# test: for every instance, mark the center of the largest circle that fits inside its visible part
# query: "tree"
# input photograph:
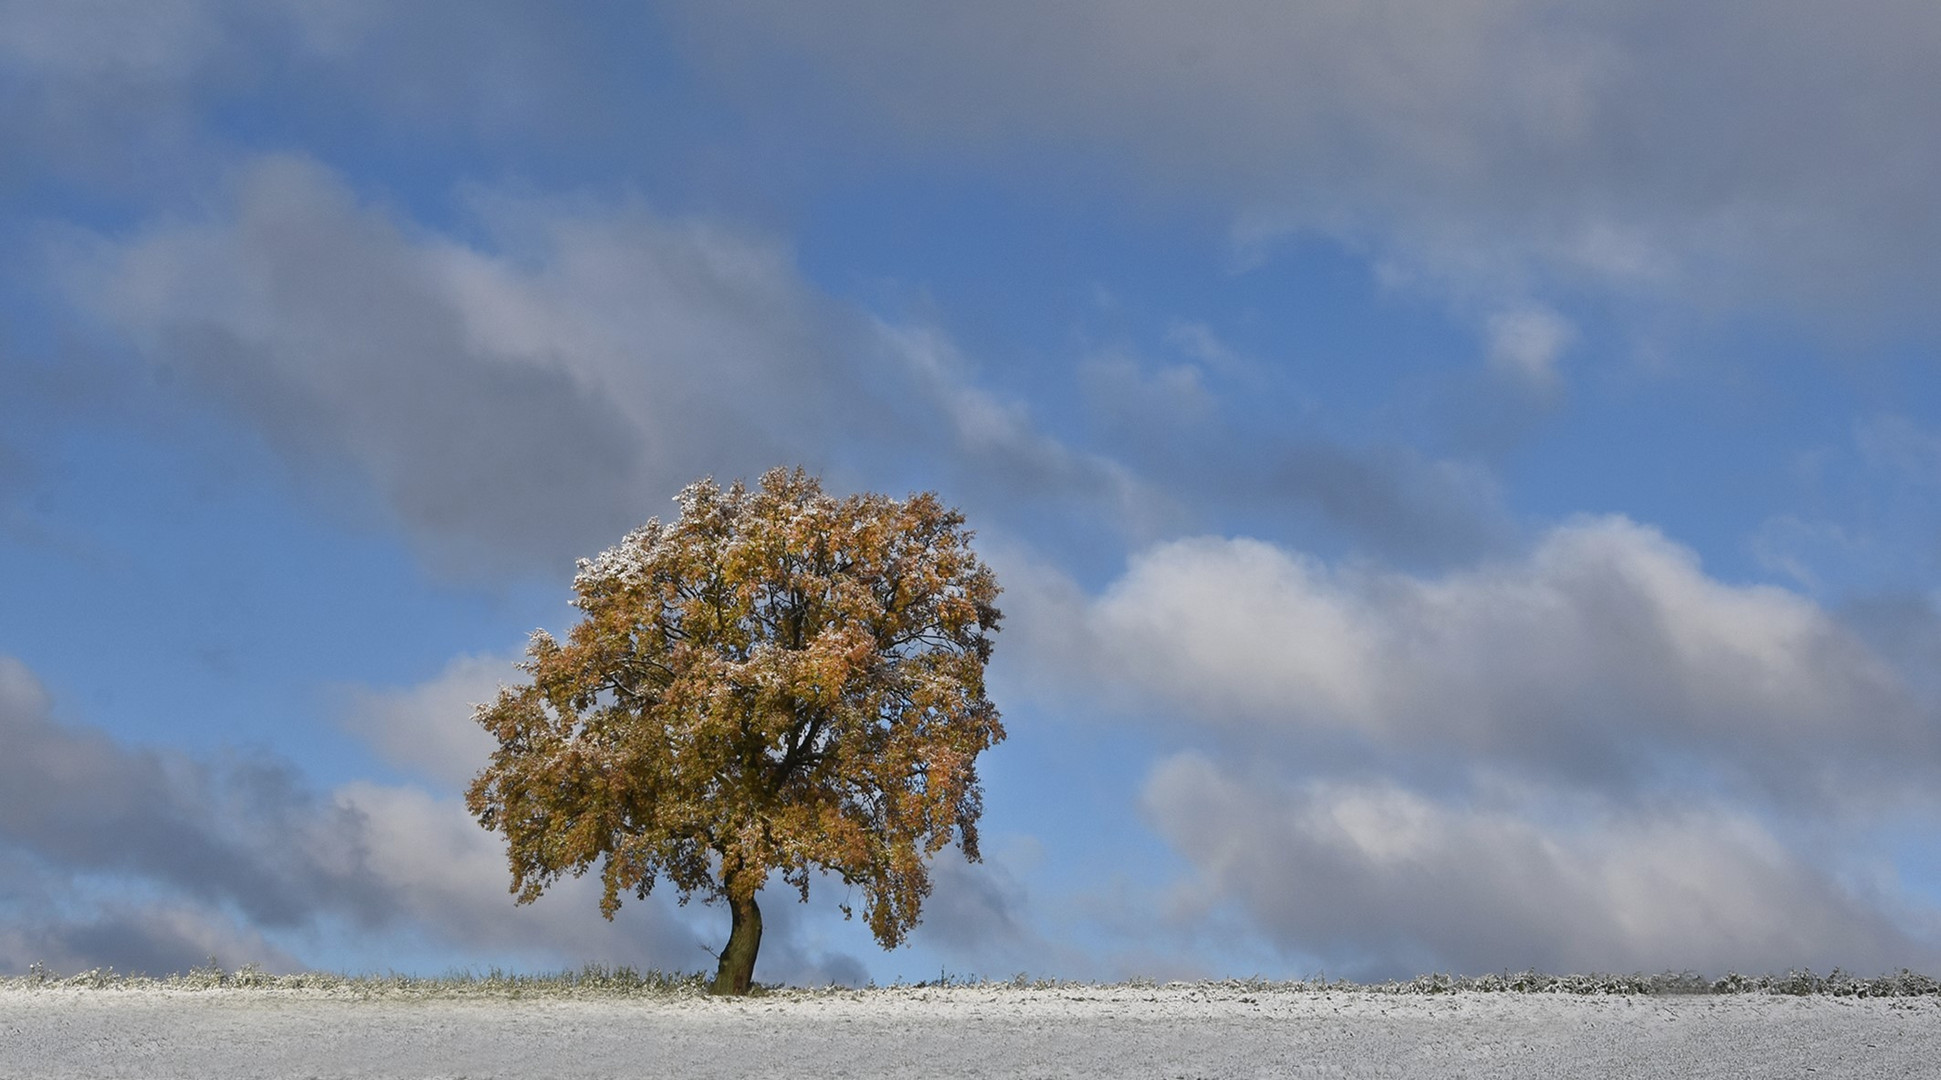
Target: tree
(776, 681)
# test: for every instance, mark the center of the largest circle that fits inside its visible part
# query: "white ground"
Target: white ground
(1170, 1031)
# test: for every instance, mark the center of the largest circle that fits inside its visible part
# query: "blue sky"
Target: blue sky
(1465, 476)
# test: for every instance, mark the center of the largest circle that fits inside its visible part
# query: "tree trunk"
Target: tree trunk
(737, 971)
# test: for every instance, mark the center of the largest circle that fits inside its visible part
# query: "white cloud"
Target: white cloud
(428, 728)
(1606, 657)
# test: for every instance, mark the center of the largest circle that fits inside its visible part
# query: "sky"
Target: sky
(1465, 476)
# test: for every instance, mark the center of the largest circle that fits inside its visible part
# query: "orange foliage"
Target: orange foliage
(774, 681)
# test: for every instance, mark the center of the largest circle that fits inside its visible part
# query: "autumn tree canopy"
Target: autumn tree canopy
(776, 681)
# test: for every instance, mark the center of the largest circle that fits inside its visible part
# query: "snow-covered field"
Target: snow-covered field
(963, 1031)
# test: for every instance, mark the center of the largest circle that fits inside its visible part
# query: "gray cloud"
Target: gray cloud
(230, 859)
(92, 89)
(976, 909)
(522, 405)
(1184, 424)
(524, 389)
(983, 919)
(1678, 149)
(1002, 457)
(1395, 503)
(130, 938)
(1675, 149)
(113, 95)
(112, 856)
(337, 335)
(244, 833)
(1376, 880)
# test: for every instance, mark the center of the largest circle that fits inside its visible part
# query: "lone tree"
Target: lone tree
(774, 681)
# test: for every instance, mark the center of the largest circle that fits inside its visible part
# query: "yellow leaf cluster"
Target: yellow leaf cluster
(776, 680)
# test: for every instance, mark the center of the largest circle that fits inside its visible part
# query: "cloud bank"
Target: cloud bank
(1372, 878)
(1595, 755)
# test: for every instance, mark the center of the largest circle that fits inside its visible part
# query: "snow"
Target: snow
(964, 1031)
